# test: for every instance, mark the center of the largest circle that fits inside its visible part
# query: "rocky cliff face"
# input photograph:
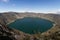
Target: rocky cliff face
(7, 33)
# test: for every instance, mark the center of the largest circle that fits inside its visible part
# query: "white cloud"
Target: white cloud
(5, 0)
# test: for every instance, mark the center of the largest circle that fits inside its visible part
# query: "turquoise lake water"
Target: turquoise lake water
(31, 25)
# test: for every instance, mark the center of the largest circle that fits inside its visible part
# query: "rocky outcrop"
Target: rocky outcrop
(5, 33)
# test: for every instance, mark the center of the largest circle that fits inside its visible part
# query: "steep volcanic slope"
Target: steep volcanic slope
(10, 16)
(5, 18)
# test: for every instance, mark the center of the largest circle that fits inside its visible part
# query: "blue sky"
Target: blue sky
(30, 5)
